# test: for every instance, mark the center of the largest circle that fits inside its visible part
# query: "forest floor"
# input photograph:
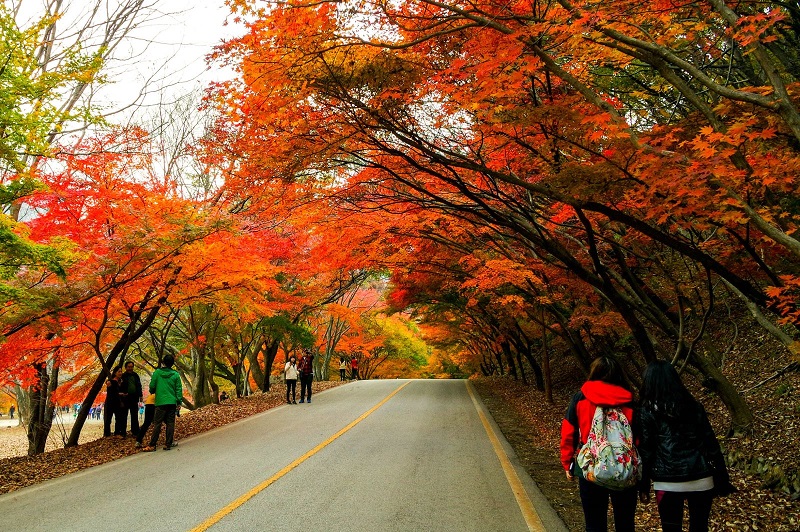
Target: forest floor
(20, 471)
(532, 427)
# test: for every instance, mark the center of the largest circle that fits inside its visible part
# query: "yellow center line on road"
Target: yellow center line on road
(525, 505)
(211, 521)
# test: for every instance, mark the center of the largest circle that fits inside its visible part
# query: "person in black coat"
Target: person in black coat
(679, 450)
(112, 407)
(131, 395)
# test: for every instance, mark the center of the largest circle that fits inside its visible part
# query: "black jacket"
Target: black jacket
(680, 448)
(136, 384)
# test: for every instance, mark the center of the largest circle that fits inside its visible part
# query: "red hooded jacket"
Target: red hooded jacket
(578, 420)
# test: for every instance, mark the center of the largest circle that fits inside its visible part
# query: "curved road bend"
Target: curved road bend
(384, 455)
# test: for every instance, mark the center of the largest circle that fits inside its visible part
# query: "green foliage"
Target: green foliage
(402, 340)
(282, 328)
(36, 79)
(30, 93)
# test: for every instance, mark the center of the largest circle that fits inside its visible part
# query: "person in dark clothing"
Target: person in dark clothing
(680, 452)
(112, 407)
(306, 367)
(167, 387)
(11, 411)
(604, 387)
(131, 395)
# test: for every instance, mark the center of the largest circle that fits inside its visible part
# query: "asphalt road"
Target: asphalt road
(386, 455)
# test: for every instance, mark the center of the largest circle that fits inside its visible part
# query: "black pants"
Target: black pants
(291, 384)
(594, 499)
(149, 413)
(305, 385)
(355, 373)
(342, 374)
(110, 412)
(164, 413)
(670, 509)
(130, 407)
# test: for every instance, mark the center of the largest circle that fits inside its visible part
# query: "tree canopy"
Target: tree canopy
(432, 188)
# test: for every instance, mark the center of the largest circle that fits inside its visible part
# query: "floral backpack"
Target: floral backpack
(608, 458)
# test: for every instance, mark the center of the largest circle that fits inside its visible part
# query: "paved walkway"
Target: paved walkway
(382, 455)
(5, 421)
(65, 419)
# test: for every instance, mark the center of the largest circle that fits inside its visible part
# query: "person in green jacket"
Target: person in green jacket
(166, 385)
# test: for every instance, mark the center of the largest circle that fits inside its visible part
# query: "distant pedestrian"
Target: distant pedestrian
(342, 369)
(290, 374)
(11, 411)
(223, 396)
(306, 367)
(354, 368)
(679, 450)
(149, 414)
(99, 411)
(112, 408)
(166, 385)
(131, 394)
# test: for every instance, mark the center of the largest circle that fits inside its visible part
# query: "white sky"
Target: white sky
(166, 54)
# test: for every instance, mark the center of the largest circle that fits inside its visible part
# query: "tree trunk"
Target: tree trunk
(86, 405)
(23, 405)
(536, 368)
(255, 370)
(548, 379)
(741, 415)
(270, 352)
(201, 395)
(41, 414)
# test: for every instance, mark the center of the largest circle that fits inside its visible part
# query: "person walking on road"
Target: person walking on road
(354, 368)
(605, 387)
(11, 411)
(306, 367)
(131, 395)
(166, 385)
(679, 450)
(113, 406)
(290, 374)
(342, 369)
(149, 414)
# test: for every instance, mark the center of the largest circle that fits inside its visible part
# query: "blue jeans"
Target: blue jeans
(594, 499)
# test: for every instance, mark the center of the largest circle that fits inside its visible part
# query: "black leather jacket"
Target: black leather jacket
(680, 448)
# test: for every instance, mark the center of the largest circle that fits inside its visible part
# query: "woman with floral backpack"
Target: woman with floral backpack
(603, 401)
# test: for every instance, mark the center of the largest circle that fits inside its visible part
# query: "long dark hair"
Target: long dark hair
(663, 390)
(607, 369)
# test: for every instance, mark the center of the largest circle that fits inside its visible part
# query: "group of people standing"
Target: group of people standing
(344, 365)
(124, 393)
(302, 370)
(674, 440)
